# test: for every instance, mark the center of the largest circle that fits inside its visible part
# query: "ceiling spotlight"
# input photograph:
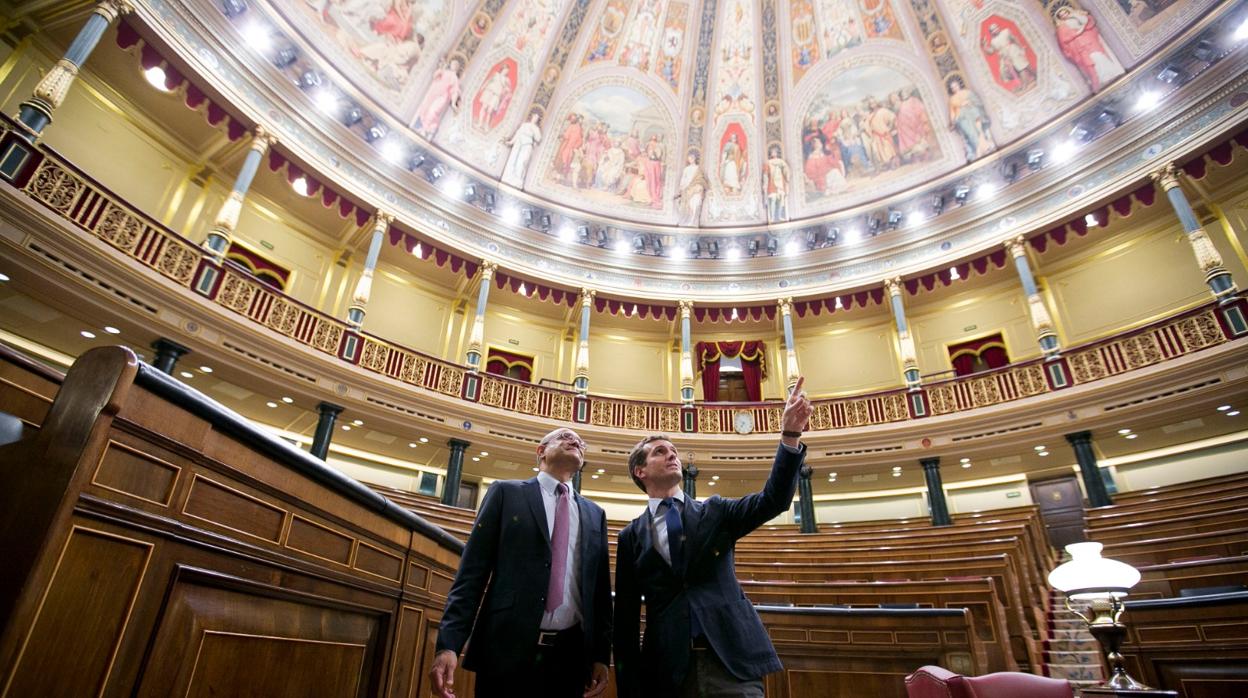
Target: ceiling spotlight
(966, 460)
(527, 216)
(621, 246)
(346, 427)
(1147, 101)
(566, 233)
(392, 151)
(773, 245)
(1063, 152)
(1241, 32)
(186, 374)
(288, 400)
(897, 473)
(639, 244)
(916, 218)
(423, 439)
(487, 201)
(1205, 52)
(595, 476)
(326, 101)
(1039, 448)
(1124, 431)
(1009, 171)
(792, 247)
(873, 225)
(452, 184)
(1109, 118)
(1080, 133)
(1132, 436)
(476, 459)
(602, 470)
(352, 115)
(896, 468)
(938, 204)
(733, 253)
(543, 222)
(603, 238)
(657, 243)
(257, 36)
(113, 330)
(1170, 74)
(582, 232)
(435, 173)
(1223, 408)
(155, 76)
(851, 237)
(375, 132)
(679, 253)
(4, 277)
(966, 465)
(202, 369)
(751, 247)
(894, 218)
(1042, 454)
(416, 161)
(695, 249)
(309, 79)
(411, 444)
(1233, 413)
(833, 236)
(987, 190)
(358, 422)
(960, 193)
(470, 191)
(1035, 158)
(285, 56)
(88, 334)
(270, 404)
(510, 214)
(712, 249)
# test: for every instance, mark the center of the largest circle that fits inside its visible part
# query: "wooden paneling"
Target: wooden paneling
(321, 541)
(128, 470)
(227, 507)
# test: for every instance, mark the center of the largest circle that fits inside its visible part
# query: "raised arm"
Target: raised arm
(753, 510)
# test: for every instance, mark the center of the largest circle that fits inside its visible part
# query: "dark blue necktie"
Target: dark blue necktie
(675, 534)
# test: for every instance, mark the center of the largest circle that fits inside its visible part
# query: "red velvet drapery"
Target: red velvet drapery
(990, 350)
(753, 366)
(505, 363)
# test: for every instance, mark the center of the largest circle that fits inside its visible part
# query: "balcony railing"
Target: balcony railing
(70, 193)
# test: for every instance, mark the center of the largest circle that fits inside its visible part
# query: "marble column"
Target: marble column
(791, 369)
(581, 376)
(806, 500)
(909, 358)
(364, 287)
(576, 481)
(218, 240)
(1093, 484)
(326, 414)
(1041, 320)
(686, 354)
(935, 492)
(167, 354)
(36, 112)
(689, 481)
(454, 471)
(1207, 257)
(476, 339)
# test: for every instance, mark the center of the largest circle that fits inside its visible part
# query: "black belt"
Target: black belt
(556, 638)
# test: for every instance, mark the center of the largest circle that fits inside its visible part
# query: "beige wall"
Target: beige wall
(629, 366)
(986, 497)
(401, 311)
(849, 356)
(974, 314)
(1213, 461)
(869, 507)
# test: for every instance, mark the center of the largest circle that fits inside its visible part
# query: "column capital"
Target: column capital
(382, 220)
(786, 306)
(893, 286)
(587, 296)
(806, 471)
(262, 140)
(458, 444)
(1079, 438)
(112, 9)
(686, 307)
(930, 463)
(1017, 246)
(328, 408)
(487, 269)
(1167, 177)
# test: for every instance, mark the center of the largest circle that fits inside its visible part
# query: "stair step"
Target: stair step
(1081, 644)
(1077, 657)
(1075, 672)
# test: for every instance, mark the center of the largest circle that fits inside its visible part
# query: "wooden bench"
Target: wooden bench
(980, 594)
(1172, 579)
(1159, 551)
(158, 544)
(1212, 521)
(865, 651)
(27, 387)
(1194, 488)
(1197, 646)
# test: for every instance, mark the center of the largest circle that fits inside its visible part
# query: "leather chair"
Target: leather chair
(935, 682)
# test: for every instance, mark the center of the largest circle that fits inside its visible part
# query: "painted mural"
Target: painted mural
(646, 35)
(672, 48)
(390, 39)
(611, 147)
(496, 90)
(864, 128)
(821, 29)
(1008, 54)
(1079, 37)
(1140, 26)
(733, 153)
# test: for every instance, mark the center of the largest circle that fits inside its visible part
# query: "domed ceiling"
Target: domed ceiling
(725, 113)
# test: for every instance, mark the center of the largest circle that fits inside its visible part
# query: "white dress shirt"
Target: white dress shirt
(658, 524)
(568, 613)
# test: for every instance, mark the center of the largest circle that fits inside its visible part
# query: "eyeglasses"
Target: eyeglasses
(569, 436)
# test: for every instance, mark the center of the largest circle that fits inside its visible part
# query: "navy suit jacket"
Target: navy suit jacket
(707, 588)
(499, 595)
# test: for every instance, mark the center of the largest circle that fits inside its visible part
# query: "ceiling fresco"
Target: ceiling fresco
(728, 112)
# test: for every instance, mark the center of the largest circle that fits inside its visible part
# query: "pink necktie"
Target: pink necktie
(559, 549)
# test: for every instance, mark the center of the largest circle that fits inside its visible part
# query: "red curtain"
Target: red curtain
(505, 363)
(987, 351)
(753, 366)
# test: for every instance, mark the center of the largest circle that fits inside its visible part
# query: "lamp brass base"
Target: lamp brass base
(1105, 691)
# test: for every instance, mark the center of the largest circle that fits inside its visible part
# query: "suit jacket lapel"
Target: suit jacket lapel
(692, 517)
(533, 493)
(586, 537)
(645, 538)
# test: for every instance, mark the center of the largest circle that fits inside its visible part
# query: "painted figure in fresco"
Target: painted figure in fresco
(610, 167)
(570, 141)
(776, 185)
(1081, 42)
(882, 124)
(443, 94)
(821, 153)
(522, 142)
(641, 36)
(388, 36)
(692, 191)
(732, 166)
(655, 154)
(494, 97)
(914, 129)
(968, 118)
(1014, 68)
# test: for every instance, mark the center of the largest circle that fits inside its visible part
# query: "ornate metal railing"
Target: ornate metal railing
(70, 193)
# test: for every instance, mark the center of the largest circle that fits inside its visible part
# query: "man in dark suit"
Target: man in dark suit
(703, 637)
(532, 598)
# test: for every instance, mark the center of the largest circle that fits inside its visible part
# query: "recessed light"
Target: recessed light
(4, 277)
(187, 374)
(1124, 431)
(1147, 100)
(714, 477)
(485, 453)
(1233, 413)
(831, 474)
(156, 78)
(476, 459)
(257, 36)
(111, 330)
(205, 369)
(88, 334)
(1241, 32)
(1063, 151)
(1224, 408)
(678, 253)
(346, 427)
(1132, 436)
(287, 400)
(1039, 448)
(966, 465)
(411, 444)
(1042, 453)
(733, 253)
(897, 474)
(602, 470)
(966, 460)
(712, 483)
(594, 476)
(424, 440)
(896, 468)
(792, 247)
(271, 404)
(535, 470)
(621, 246)
(358, 422)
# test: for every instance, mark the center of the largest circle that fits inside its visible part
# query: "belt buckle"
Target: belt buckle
(546, 638)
